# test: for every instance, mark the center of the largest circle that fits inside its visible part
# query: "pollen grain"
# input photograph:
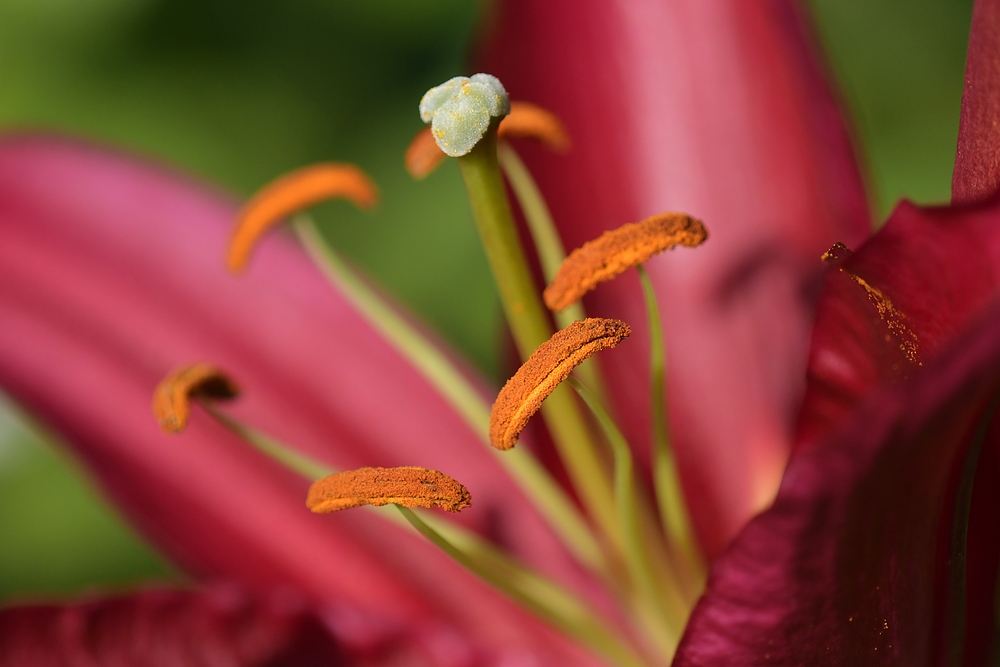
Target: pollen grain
(548, 366)
(618, 250)
(407, 486)
(292, 193)
(172, 396)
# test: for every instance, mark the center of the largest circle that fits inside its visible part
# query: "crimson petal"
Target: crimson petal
(220, 627)
(977, 161)
(718, 109)
(841, 570)
(111, 274)
(938, 267)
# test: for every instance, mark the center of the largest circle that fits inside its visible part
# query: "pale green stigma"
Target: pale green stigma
(460, 111)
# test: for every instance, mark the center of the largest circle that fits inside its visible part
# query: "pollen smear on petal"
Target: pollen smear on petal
(837, 254)
(292, 193)
(618, 250)
(172, 396)
(549, 365)
(530, 121)
(407, 486)
(894, 319)
(525, 121)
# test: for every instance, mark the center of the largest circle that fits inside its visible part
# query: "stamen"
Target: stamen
(172, 397)
(291, 193)
(530, 121)
(616, 251)
(525, 121)
(423, 155)
(549, 365)
(407, 486)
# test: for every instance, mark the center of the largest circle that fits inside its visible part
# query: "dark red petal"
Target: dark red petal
(168, 628)
(111, 274)
(977, 162)
(841, 570)
(938, 266)
(718, 109)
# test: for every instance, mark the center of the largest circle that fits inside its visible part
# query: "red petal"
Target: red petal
(938, 266)
(164, 628)
(717, 109)
(977, 162)
(841, 570)
(111, 274)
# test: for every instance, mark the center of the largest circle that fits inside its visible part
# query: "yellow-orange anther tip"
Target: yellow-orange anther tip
(548, 366)
(291, 193)
(407, 486)
(423, 155)
(172, 396)
(618, 250)
(530, 121)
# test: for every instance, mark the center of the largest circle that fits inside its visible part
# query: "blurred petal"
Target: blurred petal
(718, 109)
(165, 628)
(977, 162)
(111, 273)
(841, 570)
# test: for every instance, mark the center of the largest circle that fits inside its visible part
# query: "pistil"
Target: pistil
(526, 316)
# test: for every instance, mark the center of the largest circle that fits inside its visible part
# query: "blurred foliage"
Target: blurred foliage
(900, 66)
(240, 90)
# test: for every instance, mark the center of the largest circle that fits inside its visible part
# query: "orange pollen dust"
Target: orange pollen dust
(172, 396)
(525, 121)
(837, 254)
(618, 250)
(292, 193)
(548, 366)
(407, 486)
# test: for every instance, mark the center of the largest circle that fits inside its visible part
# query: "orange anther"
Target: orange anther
(406, 486)
(530, 121)
(423, 155)
(617, 251)
(292, 193)
(549, 365)
(172, 397)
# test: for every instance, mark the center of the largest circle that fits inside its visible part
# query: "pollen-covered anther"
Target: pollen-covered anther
(548, 366)
(618, 250)
(172, 396)
(525, 121)
(291, 193)
(407, 486)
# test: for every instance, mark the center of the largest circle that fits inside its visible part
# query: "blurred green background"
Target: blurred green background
(240, 90)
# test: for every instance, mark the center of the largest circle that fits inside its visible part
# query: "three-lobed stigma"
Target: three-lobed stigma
(461, 109)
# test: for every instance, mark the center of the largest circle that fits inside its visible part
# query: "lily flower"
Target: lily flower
(110, 276)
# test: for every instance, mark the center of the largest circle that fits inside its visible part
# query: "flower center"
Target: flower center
(636, 541)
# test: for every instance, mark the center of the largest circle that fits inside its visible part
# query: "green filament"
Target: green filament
(442, 373)
(529, 324)
(669, 492)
